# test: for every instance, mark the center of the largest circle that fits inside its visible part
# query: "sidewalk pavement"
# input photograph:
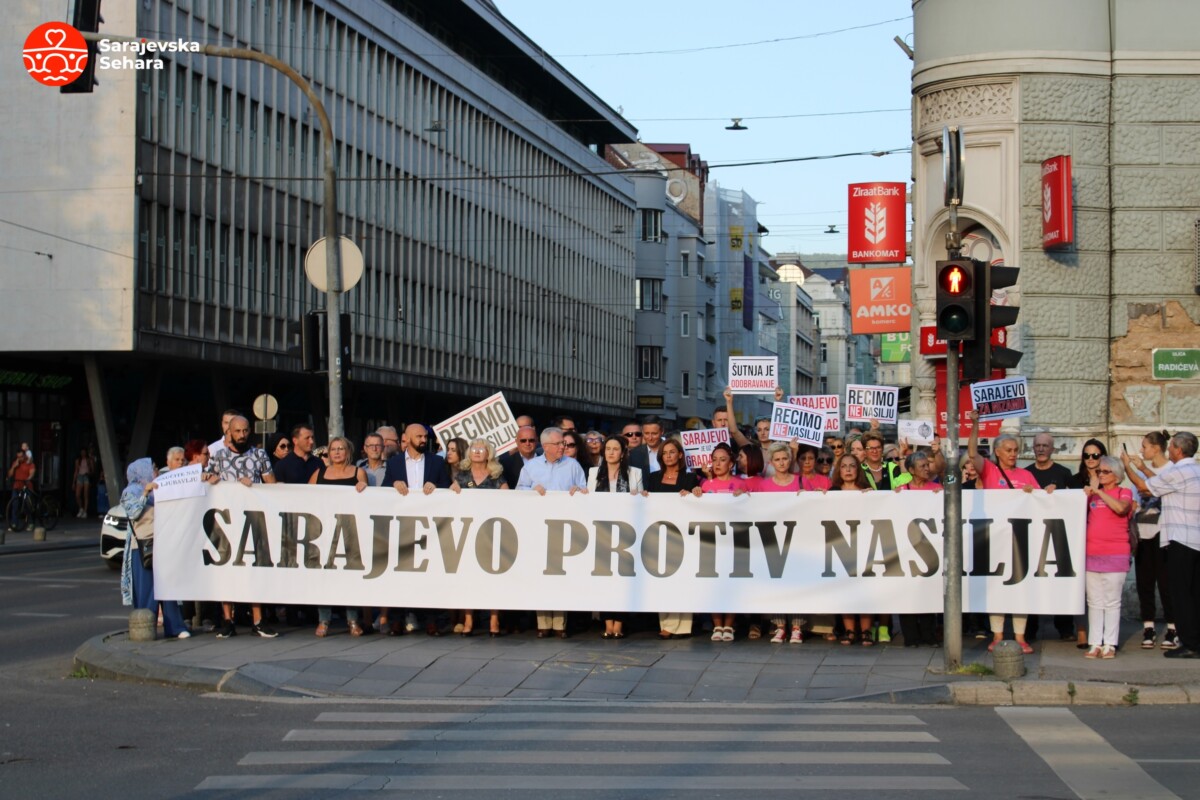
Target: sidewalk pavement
(70, 532)
(640, 667)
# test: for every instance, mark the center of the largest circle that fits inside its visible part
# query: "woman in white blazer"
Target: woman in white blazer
(614, 474)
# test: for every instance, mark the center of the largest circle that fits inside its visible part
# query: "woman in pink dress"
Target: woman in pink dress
(723, 481)
(1108, 553)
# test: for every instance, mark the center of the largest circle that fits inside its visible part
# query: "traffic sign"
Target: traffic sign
(1176, 364)
(315, 264)
(265, 406)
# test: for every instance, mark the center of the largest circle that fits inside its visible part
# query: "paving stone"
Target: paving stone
(594, 685)
(426, 691)
(318, 681)
(719, 694)
(664, 675)
(769, 695)
(479, 690)
(385, 672)
(782, 680)
(743, 678)
(330, 666)
(1094, 693)
(1040, 693)
(830, 680)
(982, 693)
(369, 687)
(660, 691)
(827, 693)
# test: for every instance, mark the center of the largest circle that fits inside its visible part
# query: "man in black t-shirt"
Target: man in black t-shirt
(298, 465)
(1048, 473)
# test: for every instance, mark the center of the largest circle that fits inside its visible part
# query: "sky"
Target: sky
(807, 78)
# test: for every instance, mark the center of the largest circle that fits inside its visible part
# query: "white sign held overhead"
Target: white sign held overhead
(489, 419)
(790, 422)
(865, 403)
(1007, 397)
(753, 374)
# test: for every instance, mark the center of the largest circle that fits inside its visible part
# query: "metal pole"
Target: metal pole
(333, 263)
(952, 540)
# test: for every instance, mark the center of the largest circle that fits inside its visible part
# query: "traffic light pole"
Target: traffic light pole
(953, 173)
(333, 250)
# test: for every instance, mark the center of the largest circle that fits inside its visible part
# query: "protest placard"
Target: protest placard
(916, 431)
(489, 419)
(865, 403)
(698, 445)
(828, 404)
(999, 399)
(790, 422)
(180, 483)
(753, 374)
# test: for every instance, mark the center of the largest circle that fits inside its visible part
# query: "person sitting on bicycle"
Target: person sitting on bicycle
(21, 473)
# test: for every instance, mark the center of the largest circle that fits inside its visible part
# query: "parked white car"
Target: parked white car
(112, 536)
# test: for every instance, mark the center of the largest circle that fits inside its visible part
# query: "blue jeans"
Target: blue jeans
(143, 597)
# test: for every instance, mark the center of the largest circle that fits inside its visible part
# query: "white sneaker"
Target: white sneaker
(410, 622)
(797, 636)
(778, 636)
(184, 635)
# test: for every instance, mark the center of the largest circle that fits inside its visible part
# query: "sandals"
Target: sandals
(322, 630)
(755, 632)
(355, 628)
(849, 637)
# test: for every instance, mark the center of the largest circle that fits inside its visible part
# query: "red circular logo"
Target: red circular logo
(55, 54)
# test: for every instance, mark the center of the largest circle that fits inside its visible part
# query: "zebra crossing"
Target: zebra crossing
(597, 751)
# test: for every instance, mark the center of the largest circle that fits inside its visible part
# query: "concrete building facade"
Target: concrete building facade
(1116, 86)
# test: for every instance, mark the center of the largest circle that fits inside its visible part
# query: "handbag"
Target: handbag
(143, 531)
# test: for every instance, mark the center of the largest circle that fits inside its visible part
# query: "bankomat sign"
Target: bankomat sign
(876, 229)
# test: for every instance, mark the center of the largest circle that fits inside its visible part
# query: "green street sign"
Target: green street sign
(895, 348)
(1176, 364)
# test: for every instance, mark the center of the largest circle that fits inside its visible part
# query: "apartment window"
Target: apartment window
(650, 224)
(824, 352)
(649, 294)
(700, 266)
(685, 384)
(699, 326)
(649, 363)
(823, 386)
(684, 264)
(685, 324)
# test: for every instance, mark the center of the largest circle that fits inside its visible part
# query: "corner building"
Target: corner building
(1116, 86)
(156, 229)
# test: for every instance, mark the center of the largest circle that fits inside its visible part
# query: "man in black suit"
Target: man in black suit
(514, 460)
(414, 467)
(644, 456)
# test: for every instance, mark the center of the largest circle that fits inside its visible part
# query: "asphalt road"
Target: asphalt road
(64, 737)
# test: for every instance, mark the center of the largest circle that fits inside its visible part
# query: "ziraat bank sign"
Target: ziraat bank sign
(1058, 224)
(876, 229)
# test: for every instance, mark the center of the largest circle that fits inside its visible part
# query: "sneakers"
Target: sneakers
(226, 631)
(1148, 637)
(261, 629)
(81, 514)
(1170, 640)
(778, 636)
(882, 636)
(184, 635)
(797, 637)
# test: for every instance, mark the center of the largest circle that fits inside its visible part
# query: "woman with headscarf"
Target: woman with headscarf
(137, 577)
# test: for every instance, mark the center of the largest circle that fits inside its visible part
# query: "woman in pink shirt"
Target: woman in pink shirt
(1109, 507)
(810, 479)
(723, 481)
(782, 480)
(1001, 474)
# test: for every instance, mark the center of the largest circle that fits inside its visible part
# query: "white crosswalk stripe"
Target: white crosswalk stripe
(488, 748)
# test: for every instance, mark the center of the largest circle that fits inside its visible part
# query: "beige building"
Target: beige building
(1116, 86)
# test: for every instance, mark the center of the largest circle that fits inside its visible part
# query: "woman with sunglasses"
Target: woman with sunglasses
(1109, 507)
(278, 447)
(825, 458)
(574, 446)
(811, 479)
(595, 446)
(1089, 460)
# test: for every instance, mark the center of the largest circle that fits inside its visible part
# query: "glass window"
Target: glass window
(684, 264)
(650, 224)
(685, 384)
(649, 294)
(685, 320)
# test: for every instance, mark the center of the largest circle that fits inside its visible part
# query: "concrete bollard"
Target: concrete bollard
(39, 534)
(142, 625)
(1008, 661)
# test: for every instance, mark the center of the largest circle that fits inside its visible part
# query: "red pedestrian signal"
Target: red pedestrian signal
(956, 300)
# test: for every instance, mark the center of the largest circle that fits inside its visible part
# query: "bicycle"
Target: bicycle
(27, 509)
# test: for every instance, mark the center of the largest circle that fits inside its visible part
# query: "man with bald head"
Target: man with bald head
(414, 468)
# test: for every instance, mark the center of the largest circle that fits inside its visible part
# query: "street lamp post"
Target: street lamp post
(333, 263)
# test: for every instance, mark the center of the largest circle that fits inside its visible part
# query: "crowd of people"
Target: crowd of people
(1153, 522)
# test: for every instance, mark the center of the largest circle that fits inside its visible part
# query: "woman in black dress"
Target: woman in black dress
(673, 476)
(479, 470)
(340, 471)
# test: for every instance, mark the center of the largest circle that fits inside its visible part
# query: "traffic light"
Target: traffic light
(980, 356)
(87, 19)
(310, 341)
(956, 300)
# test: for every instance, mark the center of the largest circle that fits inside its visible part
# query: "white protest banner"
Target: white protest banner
(489, 419)
(698, 445)
(916, 431)
(841, 552)
(180, 483)
(753, 374)
(865, 403)
(1008, 397)
(827, 404)
(790, 422)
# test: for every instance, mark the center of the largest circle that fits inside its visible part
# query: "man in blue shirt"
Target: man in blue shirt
(550, 471)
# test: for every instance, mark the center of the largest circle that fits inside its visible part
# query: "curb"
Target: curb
(17, 549)
(102, 661)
